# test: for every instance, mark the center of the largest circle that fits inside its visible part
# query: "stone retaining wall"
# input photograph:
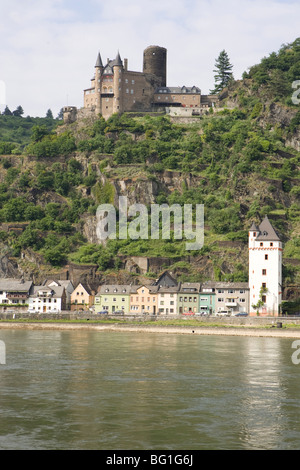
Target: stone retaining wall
(67, 315)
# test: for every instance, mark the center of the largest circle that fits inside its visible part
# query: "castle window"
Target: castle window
(131, 91)
(261, 244)
(127, 90)
(266, 257)
(132, 81)
(264, 272)
(271, 244)
(264, 299)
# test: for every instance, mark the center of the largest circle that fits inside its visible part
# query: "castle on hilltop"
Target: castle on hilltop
(116, 89)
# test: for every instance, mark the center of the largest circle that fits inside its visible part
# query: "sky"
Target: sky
(48, 48)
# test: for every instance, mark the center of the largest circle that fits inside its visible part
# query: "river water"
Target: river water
(127, 390)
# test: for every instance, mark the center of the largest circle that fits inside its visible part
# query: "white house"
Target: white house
(265, 269)
(167, 300)
(45, 299)
(14, 291)
(67, 284)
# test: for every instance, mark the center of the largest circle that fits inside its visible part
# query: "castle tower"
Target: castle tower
(98, 83)
(118, 71)
(265, 269)
(155, 63)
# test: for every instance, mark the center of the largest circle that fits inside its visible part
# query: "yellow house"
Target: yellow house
(82, 297)
(144, 299)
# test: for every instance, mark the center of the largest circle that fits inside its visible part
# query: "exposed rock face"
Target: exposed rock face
(8, 266)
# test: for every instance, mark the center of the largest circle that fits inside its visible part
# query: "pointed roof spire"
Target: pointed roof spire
(254, 228)
(118, 60)
(267, 231)
(99, 61)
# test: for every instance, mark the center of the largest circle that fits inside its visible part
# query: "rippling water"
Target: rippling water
(124, 390)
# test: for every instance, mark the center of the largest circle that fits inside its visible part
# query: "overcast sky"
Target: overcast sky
(49, 47)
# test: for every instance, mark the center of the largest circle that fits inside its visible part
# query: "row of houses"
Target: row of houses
(165, 297)
(51, 297)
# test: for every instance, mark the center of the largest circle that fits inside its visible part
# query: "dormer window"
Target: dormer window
(265, 233)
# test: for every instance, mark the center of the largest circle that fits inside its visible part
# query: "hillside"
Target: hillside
(242, 162)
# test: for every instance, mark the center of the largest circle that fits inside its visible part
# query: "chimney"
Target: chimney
(126, 64)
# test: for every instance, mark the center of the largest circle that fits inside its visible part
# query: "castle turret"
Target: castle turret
(118, 71)
(155, 63)
(98, 83)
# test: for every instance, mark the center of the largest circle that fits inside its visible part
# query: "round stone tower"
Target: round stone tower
(155, 62)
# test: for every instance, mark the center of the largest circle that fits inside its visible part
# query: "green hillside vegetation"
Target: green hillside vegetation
(239, 163)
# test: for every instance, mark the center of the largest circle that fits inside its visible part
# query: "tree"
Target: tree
(18, 112)
(223, 72)
(60, 115)
(7, 111)
(260, 303)
(38, 132)
(49, 114)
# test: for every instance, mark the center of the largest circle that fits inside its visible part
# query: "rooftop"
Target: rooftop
(14, 285)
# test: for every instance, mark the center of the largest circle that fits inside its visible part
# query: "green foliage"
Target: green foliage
(50, 145)
(278, 71)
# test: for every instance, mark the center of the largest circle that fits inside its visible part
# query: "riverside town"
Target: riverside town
(260, 296)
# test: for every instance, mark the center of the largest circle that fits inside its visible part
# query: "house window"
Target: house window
(264, 285)
(271, 244)
(266, 257)
(264, 298)
(264, 272)
(261, 244)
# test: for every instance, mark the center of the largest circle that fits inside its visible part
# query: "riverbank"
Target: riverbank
(228, 330)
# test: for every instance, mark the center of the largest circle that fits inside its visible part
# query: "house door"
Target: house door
(44, 308)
